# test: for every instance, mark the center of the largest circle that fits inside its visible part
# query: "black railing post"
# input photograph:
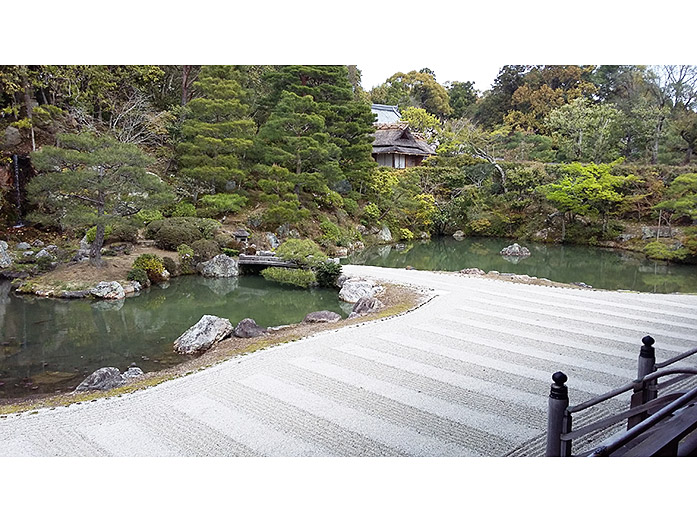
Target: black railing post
(558, 420)
(644, 392)
(647, 365)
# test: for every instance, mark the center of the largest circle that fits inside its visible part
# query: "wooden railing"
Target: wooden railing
(656, 426)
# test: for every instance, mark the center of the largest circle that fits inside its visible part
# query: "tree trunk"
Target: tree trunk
(96, 249)
(654, 148)
(186, 71)
(563, 227)
(27, 103)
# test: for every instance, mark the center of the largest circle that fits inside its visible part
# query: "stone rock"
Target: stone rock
(366, 305)
(248, 328)
(322, 317)
(221, 266)
(37, 243)
(282, 230)
(385, 235)
(341, 252)
(354, 289)
(5, 258)
(341, 279)
(209, 330)
(108, 290)
(473, 270)
(23, 246)
(458, 235)
(273, 240)
(357, 246)
(4, 245)
(72, 295)
(102, 379)
(400, 247)
(43, 253)
(132, 372)
(293, 233)
(12, 137)
(493, 273)
(581, 284)
(266, 253)
(83, 252)
(361, 229)
(651, 232)
(425, 236)
(52, 248)
(28, 254)
(543, 234)
(515, 250)
(626, 237)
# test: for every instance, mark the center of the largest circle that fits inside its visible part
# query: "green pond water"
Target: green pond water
(49, 345)
(600, 268)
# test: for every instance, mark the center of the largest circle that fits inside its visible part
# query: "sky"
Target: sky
(482, 74)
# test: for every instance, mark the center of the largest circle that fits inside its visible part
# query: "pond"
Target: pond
(50, 345)
(601, 268)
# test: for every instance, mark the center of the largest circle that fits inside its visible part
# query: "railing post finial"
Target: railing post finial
(558, 421)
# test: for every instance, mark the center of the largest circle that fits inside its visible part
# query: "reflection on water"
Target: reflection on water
(600, 268)
(48, 345)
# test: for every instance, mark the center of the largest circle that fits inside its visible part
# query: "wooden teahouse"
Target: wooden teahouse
(395, 145)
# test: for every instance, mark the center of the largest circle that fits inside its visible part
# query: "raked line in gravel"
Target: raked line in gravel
(466, 374)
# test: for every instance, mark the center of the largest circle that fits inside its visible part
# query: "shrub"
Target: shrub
(285, 212)
(223, 203)
(331, 232)
(480, 226)
(44, 264)
(660, 251)
(139, 275)
(230, 252)
(144, 216)
(371, 212)
(297, 277)
(351, 206)
(170, 265)
(170, 233)
(327, 273)
(186, 259)
(124, 232)
(91, 233)
(204, 250)
(152, 264)
(406, 235)
(184, 209)
(302, 252)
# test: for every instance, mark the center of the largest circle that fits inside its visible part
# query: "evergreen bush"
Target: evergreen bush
(186, 259)
(152, 264)
(327, 273)
(298, 277)
(204, 250)
(139, 275)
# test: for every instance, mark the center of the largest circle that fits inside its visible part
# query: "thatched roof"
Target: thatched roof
(397, 138)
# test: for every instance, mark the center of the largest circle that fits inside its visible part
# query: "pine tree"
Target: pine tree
(215, 135)
(347, 117)
(91, 180)
(295, 139)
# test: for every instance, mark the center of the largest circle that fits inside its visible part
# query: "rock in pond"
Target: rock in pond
(248, 328)
(102, 379)
(221, 266)
(322, 317)
(458, 235)
(385, 236)
(515, 250)
(209, 330)
(353, 289)
(108, 290)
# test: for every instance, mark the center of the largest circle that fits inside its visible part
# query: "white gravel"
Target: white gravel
(467, 374)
